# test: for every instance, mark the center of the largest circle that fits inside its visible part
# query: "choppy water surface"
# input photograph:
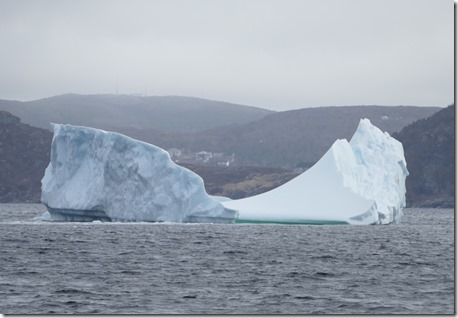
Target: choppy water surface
(114, 268)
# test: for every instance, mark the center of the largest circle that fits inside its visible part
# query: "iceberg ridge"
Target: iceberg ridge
(99, 175)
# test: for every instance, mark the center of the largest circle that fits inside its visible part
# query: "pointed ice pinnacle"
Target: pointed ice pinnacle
(356, 182)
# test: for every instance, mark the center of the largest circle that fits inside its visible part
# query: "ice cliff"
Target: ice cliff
(356, 182)
(98, 175)
(95, 174)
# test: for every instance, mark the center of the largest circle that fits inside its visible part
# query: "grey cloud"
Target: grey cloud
(276, 54)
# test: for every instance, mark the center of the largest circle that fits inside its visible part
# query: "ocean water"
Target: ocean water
(144, 268)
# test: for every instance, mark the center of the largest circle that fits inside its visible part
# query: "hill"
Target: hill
(162, 113)
(24, 156)
(429, 146)
(289, 139)
(256, 137)
(428, 143)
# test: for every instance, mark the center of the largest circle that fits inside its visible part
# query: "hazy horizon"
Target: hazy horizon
(224, 101)
(272, 54)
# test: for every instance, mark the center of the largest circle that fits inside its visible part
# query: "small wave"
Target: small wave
(324, 274)
(72, 291)
(234, 252)
(380, 309)
(305, 297)
(323, 257)
(130, 272)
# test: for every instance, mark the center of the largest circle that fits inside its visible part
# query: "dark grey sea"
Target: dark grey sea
(146, 268)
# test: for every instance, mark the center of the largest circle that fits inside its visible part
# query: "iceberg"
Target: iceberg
(356, 182)
(99, 175)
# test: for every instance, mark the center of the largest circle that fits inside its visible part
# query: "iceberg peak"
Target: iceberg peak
(356, 182)
(381, 170)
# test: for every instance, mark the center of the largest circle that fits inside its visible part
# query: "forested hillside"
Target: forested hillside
(429, 146)
(286, 139)
(24, 155)
(429, 149)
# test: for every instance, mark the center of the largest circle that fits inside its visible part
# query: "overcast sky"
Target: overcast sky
(276, 54)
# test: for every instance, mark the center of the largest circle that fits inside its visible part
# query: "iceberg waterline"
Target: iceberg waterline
(98, 175)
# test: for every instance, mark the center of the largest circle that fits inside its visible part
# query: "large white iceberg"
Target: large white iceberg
(98, 175)
(356, 182)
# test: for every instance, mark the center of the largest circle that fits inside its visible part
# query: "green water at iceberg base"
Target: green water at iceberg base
(310, 222)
